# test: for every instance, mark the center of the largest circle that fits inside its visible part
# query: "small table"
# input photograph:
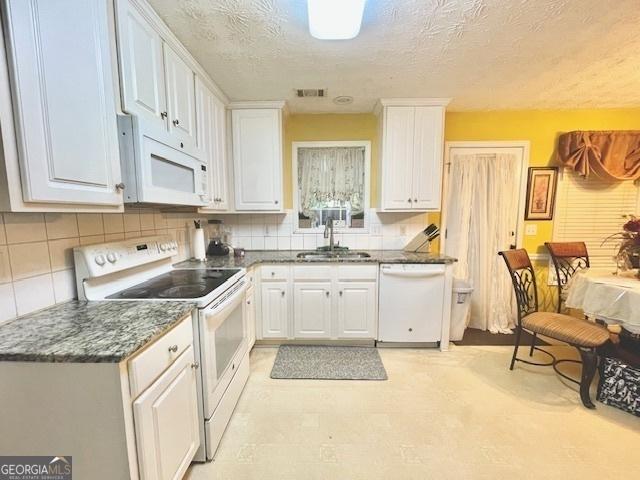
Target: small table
(615, 299)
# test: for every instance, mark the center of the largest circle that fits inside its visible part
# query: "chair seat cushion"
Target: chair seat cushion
(582, 333)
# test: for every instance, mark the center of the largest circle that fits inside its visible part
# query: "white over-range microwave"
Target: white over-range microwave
(155, 172)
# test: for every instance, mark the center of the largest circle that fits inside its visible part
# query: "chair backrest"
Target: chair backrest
(524, 281)
(568, 258)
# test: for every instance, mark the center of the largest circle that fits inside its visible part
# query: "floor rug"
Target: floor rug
(328, 363)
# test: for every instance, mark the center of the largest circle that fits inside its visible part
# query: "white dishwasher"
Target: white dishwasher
(411, 302)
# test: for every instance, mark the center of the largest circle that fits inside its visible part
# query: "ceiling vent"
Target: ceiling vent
(311, 92)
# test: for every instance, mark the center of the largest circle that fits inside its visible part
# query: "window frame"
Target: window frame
(366, 144)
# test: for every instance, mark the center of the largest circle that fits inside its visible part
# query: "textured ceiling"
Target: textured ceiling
(485, 54)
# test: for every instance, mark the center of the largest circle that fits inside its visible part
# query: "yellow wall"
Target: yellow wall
(540, 127)
(325, 127)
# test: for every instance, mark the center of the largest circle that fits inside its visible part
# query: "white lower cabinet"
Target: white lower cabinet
(356, 310)
(166, 421)
(312, 310)
(250, 312)
(275, 309)
(318, 301)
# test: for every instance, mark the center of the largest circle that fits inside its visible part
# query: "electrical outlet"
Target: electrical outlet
(531, 229)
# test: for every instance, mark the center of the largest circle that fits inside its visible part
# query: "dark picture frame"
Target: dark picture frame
(542, 184)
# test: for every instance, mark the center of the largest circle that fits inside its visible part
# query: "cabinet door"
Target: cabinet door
(257, 159)
(211, 141)
(427, 158)
(397, 158)
(166, 422)
(141, 68)
(356, 309)
(250, 312)
(64, 101)
(275, 310)
(180, 98)
(312, 310)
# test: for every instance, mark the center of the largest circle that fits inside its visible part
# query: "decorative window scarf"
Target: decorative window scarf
(611, 155)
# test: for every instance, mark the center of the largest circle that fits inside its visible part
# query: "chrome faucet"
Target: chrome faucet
(328, 233)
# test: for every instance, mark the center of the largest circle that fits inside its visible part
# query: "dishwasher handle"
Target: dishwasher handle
(411, 273)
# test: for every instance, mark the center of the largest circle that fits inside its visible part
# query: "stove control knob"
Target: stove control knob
(174, 245)
(112, 257)
(100, 260)
(163, 247)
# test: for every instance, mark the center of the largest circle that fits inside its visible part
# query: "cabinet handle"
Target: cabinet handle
(195, 365)
(276, 202)
(163, 114)
(176, 122)
(173, 348)
(415, 200)
(340, 292)
(282, 293)
(326, 293)
(248, 302)
(409, 200)
(120, 186)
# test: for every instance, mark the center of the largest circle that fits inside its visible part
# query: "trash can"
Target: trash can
(460, 304)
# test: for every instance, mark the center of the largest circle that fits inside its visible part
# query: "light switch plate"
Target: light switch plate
(531, 229)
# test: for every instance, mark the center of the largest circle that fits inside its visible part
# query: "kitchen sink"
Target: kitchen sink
(327, 255)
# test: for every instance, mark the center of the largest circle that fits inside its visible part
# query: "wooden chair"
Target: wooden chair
(585, 336)
(568, 258)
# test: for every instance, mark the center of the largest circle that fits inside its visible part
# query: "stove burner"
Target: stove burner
(183, 291)
(179, 284)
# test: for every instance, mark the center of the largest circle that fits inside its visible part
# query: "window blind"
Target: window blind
(590, 210)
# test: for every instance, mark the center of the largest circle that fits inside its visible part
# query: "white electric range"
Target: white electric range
(141, 269)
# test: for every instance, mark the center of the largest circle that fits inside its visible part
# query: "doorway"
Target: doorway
(485, 187)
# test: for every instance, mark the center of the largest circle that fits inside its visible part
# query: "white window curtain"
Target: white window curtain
(481, 212)
(328, 174)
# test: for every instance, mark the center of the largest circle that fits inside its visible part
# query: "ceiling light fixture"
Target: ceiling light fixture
(335, 19)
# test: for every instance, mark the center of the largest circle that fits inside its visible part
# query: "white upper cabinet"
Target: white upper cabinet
(142, 72)
(180, 85)
(257, 157)
(64, 103)
(211, 140)
(412, 136)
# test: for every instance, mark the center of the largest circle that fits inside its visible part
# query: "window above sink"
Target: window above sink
(331, 180)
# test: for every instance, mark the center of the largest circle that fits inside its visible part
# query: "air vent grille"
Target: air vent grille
(311, 92)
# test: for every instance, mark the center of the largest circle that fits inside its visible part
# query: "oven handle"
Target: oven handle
(227, 305)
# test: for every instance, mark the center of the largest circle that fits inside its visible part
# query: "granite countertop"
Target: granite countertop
(88, 332)
(254, 257)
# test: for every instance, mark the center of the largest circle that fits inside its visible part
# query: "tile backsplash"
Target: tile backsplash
(387, 231)
(36, 249)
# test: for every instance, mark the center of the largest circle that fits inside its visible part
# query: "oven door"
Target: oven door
(223, 336)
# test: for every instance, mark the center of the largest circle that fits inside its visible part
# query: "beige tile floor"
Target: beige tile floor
(456, 415)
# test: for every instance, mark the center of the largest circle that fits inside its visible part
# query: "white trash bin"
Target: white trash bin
(460, 304)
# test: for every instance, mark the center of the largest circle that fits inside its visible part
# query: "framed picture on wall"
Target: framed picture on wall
(541, 193)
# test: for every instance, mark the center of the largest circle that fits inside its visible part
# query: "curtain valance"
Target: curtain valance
(611, 155)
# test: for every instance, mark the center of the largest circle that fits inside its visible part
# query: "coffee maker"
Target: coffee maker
(217, 239)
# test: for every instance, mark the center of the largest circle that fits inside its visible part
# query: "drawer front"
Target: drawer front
(274, 272)
(145, 367)
(357, 272)
(312, 272)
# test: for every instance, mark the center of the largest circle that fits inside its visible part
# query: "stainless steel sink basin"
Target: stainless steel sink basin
(327, 255)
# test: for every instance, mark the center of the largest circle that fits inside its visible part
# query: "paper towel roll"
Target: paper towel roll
(198, 250)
